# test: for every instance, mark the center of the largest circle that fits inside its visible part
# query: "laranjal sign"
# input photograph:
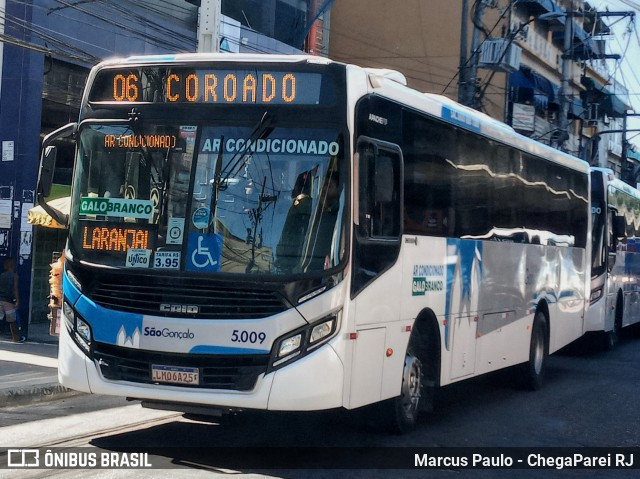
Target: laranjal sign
(115, 238)
(116, 207)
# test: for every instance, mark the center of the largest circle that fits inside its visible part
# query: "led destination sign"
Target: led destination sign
(140, 141)
(114, 238)
(214, 86)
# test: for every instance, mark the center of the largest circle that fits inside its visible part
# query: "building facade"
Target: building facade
(529, 63)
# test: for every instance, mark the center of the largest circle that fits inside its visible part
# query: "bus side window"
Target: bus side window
(386, 202)
(380, 192)
(379, 211)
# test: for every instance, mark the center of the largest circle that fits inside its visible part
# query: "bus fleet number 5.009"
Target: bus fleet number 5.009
(252, 337)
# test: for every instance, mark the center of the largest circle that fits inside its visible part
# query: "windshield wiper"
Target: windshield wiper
(216, 187)
(256, 218)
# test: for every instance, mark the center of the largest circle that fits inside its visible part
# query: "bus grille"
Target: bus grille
(230, 372)
(145, 295)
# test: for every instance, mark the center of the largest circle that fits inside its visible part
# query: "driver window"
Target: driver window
(379, 211)
(380, 191)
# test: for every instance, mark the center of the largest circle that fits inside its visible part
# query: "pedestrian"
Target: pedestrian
(9, 299)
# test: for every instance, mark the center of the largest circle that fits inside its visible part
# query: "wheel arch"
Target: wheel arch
(543, 308)
(425, 335)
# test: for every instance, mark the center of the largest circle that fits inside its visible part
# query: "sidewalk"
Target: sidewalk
(29, 370)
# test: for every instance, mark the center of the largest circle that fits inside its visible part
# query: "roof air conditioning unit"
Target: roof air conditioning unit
(500, 54)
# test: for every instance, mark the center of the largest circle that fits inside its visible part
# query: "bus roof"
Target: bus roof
(388, 83)
(450, 111)
(612, 180)
(210, 57)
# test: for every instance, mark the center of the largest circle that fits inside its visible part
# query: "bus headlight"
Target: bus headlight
(83, 330)
(322, 330)
(82, 334)
(289, 345)
(78, 328)
(596, 294)
(302, 341)
(68, 315)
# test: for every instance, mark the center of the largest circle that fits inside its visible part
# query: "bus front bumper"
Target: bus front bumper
(313, 382)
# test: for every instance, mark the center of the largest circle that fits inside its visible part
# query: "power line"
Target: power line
(162, 37)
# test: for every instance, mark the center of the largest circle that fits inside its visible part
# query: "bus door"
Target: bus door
(620, 258)
(377, 274)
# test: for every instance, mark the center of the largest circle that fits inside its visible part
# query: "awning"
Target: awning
(584, 46)
(543, 6)
(632, 154)
(520, 80)
(542, 89)
(609, 102)
(39, 217)
(544, 85)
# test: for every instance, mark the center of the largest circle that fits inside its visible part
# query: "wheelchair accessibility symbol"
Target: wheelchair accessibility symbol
(204, 252)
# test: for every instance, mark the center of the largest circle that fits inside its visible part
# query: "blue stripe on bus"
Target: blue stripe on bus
(155, 58)
(71, 292)
(461, 118)
(106, 323)
(207, 349)
(465, 254)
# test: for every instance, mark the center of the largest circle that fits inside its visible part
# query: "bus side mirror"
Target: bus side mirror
(48, 157)
(47, 169)
(619, 227)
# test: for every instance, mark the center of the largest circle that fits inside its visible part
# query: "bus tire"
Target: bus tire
(400, 414)
(612, 337)
(531, 373)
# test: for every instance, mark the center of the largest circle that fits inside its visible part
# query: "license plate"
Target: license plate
(175, 375)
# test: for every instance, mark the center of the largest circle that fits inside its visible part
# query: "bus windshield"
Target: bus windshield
(242, 199)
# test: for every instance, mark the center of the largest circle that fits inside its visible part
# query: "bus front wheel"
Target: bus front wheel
(611, 338)
(400, 414)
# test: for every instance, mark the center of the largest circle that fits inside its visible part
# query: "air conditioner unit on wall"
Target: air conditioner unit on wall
(493, 56)
(592, 114)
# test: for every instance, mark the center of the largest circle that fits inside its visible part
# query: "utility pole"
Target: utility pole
(469, 67)
(209, 26)
(564, 93)
(463, 76)
(567, 60)
(625, 144)
(624, 141)
(478, 13)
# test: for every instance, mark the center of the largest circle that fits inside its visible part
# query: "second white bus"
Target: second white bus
(615, 268)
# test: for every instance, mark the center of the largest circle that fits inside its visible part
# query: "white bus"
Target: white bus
(615, 268)
(292, 233)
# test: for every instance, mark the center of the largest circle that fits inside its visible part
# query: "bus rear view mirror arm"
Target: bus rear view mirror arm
(48, 167)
